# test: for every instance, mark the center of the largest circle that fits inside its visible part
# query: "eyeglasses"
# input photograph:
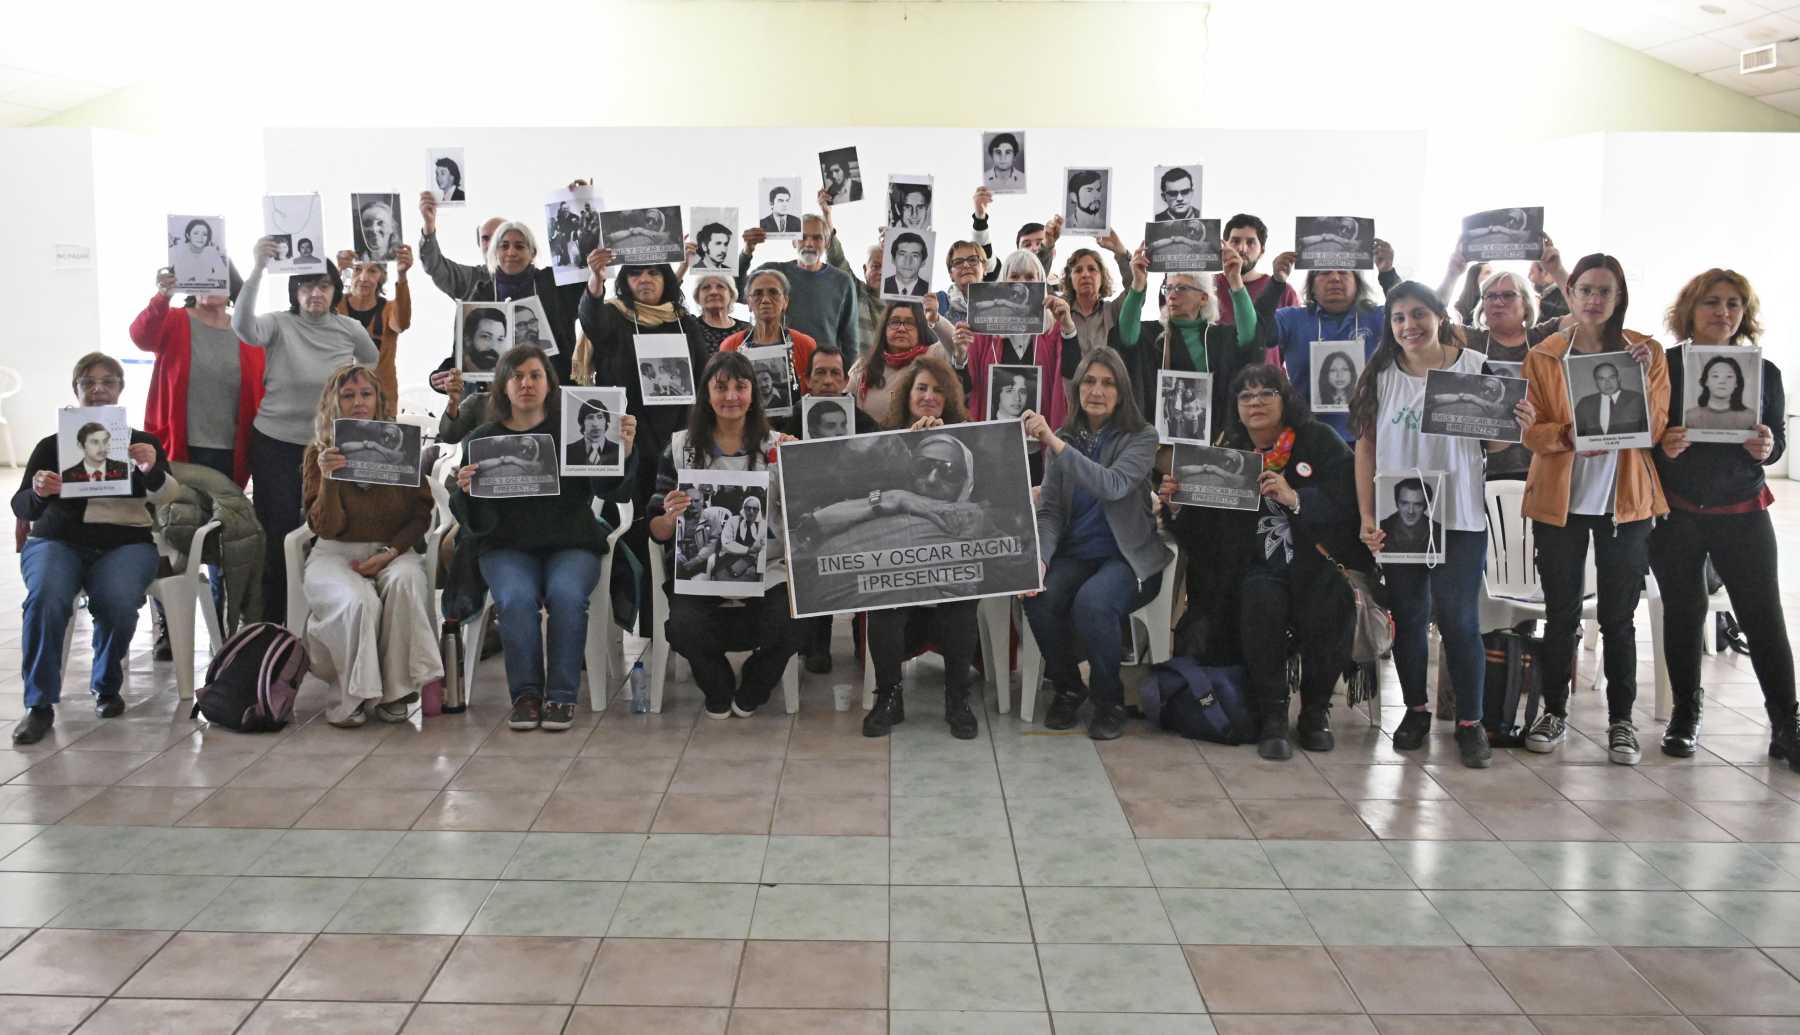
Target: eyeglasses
(1593, 292)
(1500, 296)
(90, 383)
(1182, 289)
(1255, 395)
(926, 467)
(906, 323)
(967, 260)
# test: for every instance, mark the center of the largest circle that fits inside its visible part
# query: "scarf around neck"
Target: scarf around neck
(646, 315)
(508, 286)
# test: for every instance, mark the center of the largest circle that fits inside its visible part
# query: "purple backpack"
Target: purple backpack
(253, 680)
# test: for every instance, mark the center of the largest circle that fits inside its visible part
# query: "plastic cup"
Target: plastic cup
(840, 697)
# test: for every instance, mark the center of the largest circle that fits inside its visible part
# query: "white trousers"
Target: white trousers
(374, 637)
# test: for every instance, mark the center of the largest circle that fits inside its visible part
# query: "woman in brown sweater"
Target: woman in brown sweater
(372, 629)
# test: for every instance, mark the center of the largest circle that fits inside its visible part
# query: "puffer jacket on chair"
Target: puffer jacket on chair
(207, 495)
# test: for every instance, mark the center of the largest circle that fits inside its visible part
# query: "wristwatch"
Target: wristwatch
(875, 499)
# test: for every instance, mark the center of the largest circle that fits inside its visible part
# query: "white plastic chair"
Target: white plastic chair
(298, 546)
(178, 593)
(659, 643)
(421, 400)
(11, 383)
(994, 617)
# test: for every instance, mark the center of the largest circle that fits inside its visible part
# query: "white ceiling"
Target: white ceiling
(29, 94)
(1702, 37)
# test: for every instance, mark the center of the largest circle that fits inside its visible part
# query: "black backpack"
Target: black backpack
(253, 680)
(1515, 674)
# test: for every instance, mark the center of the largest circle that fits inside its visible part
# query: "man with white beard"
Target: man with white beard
(823, 300)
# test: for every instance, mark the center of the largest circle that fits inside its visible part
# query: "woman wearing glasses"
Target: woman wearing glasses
(902, 338)
(1505, 329)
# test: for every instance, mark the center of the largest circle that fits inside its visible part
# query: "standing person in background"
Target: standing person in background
(902, 339)
(1088, 288)
(769, 304)
(821, 300)
(1057, 349)
(1339, 307)
(1192, 336)
(368, 304)
(1248, 236)
(206, 385)
(302, 347)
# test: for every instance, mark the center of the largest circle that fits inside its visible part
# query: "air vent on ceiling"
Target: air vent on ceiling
(1769, 58)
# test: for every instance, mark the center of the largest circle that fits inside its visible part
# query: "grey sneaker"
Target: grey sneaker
(558, 715)
(392, 711)
(1622, 743)
(1547, 733)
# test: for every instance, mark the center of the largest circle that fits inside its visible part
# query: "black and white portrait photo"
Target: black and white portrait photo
(841, 174)
(909, 202)
(665, 370)
(1606, 394)
(591, 432)
(1472, 405)
(908, 517)
(197, 255)
(377, 452)
(1334, 243)
(1177, 192)
(1216, 477)
(1335, 367)
(1087, 201)
(1183, 399)
(375, 226)
(722, 539)
(1503, 234)
(301, 220)
(1406, 512)
(775, 383)
(827, 416)
(1013, 389)
(1514, 460)
(1721, 392)
(1184, 246)
(779, 205)
(93, 449)
(512, 465)
(715, 233)
(571, 231)
(444, 171)
(482, 335)
(1006, 307)
(643, 236)
(526, 324)
(1003, 161)
(906, 264)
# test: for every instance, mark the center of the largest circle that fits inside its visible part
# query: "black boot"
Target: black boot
(1781, 735)
(1107, 722)
(1682, 736)
(163, 650)
(1315, 726)
(958, 714)
(35, 724)
(1273, 743)
(1064, 709)
(887, 713)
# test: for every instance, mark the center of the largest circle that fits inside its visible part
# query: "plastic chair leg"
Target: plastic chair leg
(790, 685)
(995, 617)
(178, 610)
(1665, 691)
(1031, 671)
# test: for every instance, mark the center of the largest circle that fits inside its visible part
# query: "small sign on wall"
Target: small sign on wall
(73, 257)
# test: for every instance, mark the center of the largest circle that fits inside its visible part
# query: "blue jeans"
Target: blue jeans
(560, 582)
(116, 581)
(1454, 587)
(1087, 600)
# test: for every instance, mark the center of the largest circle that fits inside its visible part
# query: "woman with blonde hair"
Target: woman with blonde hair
(371, 626)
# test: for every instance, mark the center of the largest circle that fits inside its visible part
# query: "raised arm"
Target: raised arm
(250, 328)
(147, 328)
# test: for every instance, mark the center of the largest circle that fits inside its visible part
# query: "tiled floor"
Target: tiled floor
(673, 875)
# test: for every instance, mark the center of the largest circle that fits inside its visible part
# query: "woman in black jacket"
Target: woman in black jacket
(1719, 507)
(1262, 572)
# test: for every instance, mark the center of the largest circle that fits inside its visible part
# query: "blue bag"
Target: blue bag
(1200, 702)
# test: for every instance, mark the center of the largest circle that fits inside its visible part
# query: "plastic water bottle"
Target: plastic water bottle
(640, 689)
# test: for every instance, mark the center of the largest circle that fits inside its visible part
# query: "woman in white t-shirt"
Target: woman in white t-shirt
(1386, 414)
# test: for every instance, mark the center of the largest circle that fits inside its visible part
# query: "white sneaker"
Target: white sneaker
(1622, 743)
(392, 711)
(1546, 733)
(351, 721)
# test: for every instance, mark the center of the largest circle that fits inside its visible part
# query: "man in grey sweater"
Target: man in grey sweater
(823, 302)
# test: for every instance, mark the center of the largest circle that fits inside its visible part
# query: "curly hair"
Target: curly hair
(1680, 317)
(328, 412)
(900, 415)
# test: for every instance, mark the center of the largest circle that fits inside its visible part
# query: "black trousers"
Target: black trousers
(1621, 558)
(899, 631)
(275, 488)
(703, 629)
(1267, 610)
(1743, 549)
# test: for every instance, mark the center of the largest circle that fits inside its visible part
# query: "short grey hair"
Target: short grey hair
(1519, 284)
(787, 289)
(1208, 312)
(1022, 261)
(729, 284)
(493, 251)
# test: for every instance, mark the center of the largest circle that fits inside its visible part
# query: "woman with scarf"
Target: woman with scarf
(902, 339)
(1190, 336)
(769, 293)
(1057, 349)
(368, 305)
(1096, 539)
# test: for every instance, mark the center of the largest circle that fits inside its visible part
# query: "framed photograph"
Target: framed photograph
(377, 452)
(841, 174)
(778, 206)
(644, 236)
(297, 223)
(722, 539)
(526, 324)
(1003, 161)
(1183, 407)
(93, 449)
(592, 436)
(665, 370)
(197, 255)
(895, 518)
(1177, 193)
(1335, 366)
(1504, 234)
(909, 202)
(1515, 460)
(1216, 477)
(513, 465)
(774, 365)
(571, 231)
(444, 175)
(1334, 243)
(715, 231)
(1087, 202)
(1606, 395)
(906, 264)
(375, 226)
(1012, 389)
(1406, 509)
(483, 334)
(1006, 307)
(1476, 406)
(827, 416)
(1184, 246)
(1721, 392)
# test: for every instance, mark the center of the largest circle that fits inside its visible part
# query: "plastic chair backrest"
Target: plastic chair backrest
(1512, 571)
(11, 382)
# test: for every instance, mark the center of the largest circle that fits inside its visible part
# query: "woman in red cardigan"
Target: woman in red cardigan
(1057, 350)
(206, 385)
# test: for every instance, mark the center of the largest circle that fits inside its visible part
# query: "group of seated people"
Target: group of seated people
(254, 397)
